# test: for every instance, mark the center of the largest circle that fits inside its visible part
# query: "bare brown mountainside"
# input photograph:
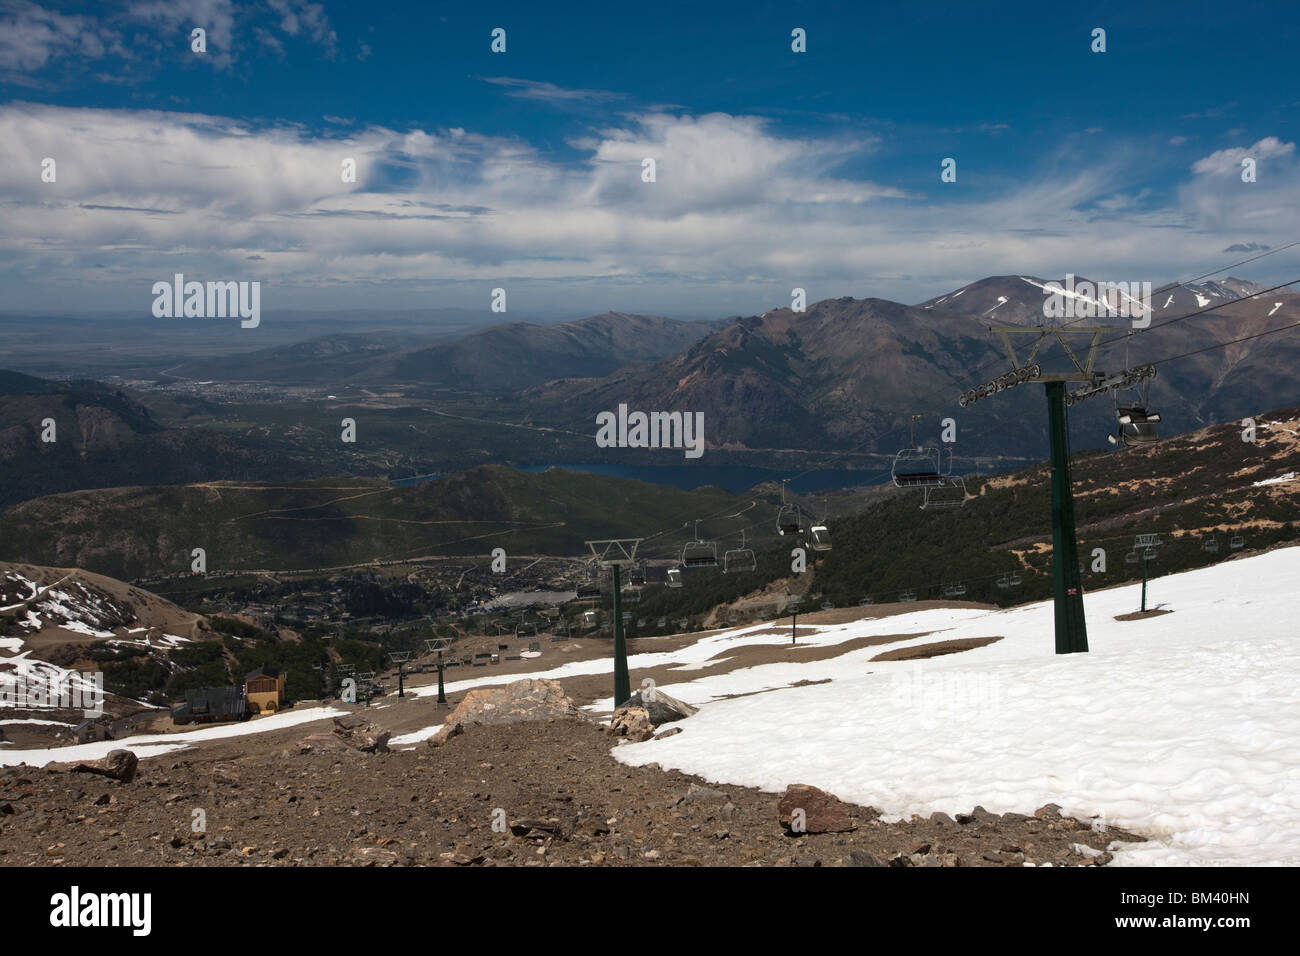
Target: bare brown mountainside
(850, 371)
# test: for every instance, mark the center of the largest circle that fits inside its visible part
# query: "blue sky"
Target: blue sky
(522, 169)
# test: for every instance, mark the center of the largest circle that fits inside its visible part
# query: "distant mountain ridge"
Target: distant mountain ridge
(850, 371)
(499, 359)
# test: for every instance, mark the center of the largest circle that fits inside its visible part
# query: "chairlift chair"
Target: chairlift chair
(1015, 580)
(867, 601)
(588, 588)
(589, 619)
(1004, 580)
(820, 537)
(1137, 426)
(1210, 543)
(1131, 557)
(674, 577)
(699, 553)
(907, 597)
(951, 494)
(917, 466)
(632, 594)
(1237, 542)
(738, 559)
(827, 606)
(788, 519)
(1135, 422)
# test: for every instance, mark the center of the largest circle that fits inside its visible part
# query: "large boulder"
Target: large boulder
(524, 700)
(661, 708)
(118, 765)
(361, 735)
(822, 812)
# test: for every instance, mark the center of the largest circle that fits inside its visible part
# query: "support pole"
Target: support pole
(442, 693)
(794, 615)
(622, 684)
(1144, 580)
(1071, 629)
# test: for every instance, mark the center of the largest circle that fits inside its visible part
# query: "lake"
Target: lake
(734, 478)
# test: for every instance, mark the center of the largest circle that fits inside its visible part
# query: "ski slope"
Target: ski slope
(1181, 726)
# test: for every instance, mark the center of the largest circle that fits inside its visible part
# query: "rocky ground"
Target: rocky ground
(542, 793)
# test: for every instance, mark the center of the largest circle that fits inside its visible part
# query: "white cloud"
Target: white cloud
(737, 210)
(1228, 161)
(548, 92)
(31, 36)
(216, 17)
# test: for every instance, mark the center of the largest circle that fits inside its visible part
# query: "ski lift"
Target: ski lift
(954, 589)
(788, 519)
(867, 601)
(1237, 542)
(907, 597)
(589, 618)
(588, 589)
(1004, 581)
(699, 553)
(738, 559)
(1210, 543)
(827, 606)
(819, 535)
(1015, 580)
(917, 466)
(632, 594)
(950, 493)
(1136, 423)
(636, 573)
(1131, 557)
(674, 577)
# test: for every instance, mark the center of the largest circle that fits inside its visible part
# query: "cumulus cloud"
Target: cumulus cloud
(1228, 161)
(31, 36)
(735, 207)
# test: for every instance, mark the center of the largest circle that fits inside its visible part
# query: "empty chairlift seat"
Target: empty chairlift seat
(917, 467)
(700, 554)
(674, 577)
(819, 536)
(738, 559)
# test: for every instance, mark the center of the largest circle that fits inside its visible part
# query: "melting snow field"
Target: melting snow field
(153, 745)
(1181, 726)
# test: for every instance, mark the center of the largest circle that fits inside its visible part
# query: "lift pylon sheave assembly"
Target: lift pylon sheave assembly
(1067, 584)
(617, 553)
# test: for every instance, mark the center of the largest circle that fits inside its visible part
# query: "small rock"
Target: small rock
(119, 765)
(822, 812)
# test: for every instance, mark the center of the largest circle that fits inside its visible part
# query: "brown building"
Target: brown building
(264, 689)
